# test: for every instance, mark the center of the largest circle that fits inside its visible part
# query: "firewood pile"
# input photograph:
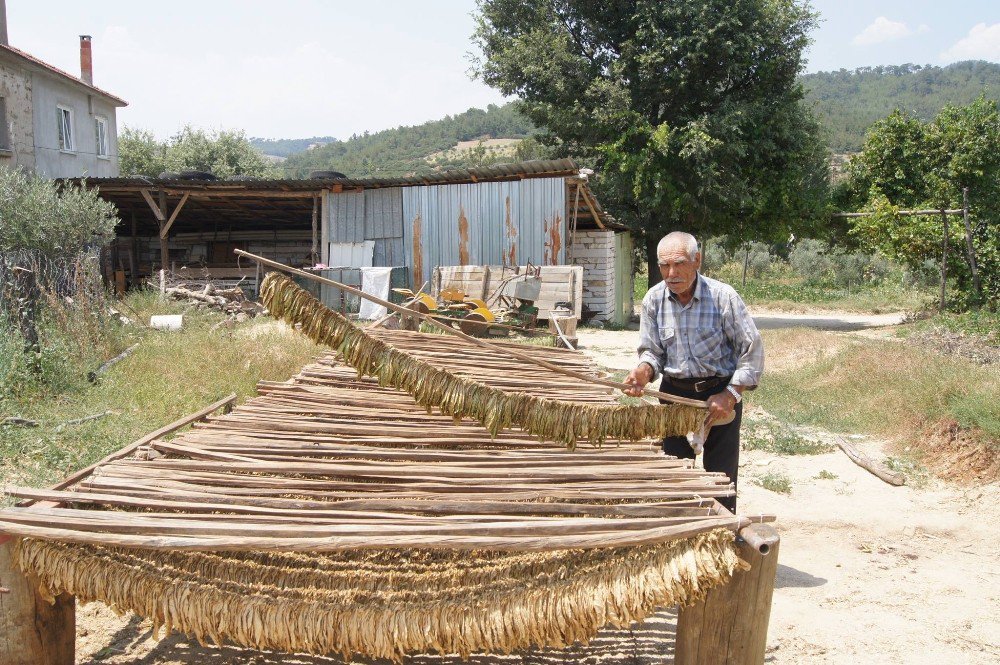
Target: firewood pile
(232, 301)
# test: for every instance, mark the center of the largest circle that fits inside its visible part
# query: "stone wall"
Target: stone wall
(595, 251)
(15, 89)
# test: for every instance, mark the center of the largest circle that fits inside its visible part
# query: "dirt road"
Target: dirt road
(868, 573)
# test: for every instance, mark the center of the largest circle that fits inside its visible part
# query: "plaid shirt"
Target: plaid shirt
(713, 335)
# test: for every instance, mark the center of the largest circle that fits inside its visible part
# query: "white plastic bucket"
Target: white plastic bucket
(166, 321)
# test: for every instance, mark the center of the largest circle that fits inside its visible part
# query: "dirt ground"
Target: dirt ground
(867, 573)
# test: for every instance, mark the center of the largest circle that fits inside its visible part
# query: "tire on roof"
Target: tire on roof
(197, 175)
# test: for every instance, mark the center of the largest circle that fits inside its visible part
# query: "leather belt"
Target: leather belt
(698, 384)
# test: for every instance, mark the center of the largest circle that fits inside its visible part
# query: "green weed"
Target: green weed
(775, 481)
(826, 475)
(774, 437)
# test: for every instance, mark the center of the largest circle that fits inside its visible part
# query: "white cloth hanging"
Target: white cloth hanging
(374, 281)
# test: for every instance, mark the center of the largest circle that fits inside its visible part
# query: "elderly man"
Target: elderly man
(697, 333)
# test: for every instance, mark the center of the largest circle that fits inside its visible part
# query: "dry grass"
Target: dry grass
(886, 388)
(170, 375)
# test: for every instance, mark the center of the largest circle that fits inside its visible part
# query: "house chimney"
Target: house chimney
(3, 23)
(86, 61)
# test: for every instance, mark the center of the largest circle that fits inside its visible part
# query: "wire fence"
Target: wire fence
(28, 278)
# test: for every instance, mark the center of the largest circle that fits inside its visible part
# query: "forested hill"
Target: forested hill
(286, 147)
(848, 102)
(418, 149)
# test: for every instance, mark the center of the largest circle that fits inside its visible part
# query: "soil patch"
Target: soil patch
(959, 454)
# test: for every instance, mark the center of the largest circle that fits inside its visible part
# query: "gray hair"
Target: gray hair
(678, 238)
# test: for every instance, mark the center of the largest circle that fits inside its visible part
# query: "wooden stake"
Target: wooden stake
(730, 624)
(32, 630)
(970, 247)
(944, 257)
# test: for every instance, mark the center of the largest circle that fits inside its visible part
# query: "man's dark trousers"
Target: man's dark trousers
(722, 449)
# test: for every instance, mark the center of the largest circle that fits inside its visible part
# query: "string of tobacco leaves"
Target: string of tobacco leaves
(551, 420)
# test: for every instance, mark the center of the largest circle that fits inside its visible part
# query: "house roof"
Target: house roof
(32, 60)
(542, 168)
(268, 204)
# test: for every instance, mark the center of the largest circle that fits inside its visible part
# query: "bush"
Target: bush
(37, 215)
(818, 264)
(53, 234)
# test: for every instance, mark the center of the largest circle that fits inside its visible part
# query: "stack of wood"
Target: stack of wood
(331, 514)
(232, 301)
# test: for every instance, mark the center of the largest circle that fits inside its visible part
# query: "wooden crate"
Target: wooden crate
(559, 284)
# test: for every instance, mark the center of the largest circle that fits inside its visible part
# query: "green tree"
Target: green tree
(689, 110)
(139, 153)
(223, 153)
(906, 163)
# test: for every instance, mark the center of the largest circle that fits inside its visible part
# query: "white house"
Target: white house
(54, 123)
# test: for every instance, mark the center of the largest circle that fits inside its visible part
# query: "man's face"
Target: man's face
(678, 269)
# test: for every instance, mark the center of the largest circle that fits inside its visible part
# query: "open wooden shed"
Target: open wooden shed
(543, 212)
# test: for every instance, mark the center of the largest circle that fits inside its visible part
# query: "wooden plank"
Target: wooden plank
(334, 543)
(160, 217)
(165, 228)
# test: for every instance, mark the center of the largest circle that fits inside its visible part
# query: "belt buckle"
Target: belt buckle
(703, 385)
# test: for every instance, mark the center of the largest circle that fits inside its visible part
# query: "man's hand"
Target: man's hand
(719, 406)
(638, 378)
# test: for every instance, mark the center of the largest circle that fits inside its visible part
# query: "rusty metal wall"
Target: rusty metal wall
(496, 223)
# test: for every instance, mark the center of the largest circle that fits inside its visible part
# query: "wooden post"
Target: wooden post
(27, 296)
(944, 257)
(32, 630)
(730, 625)
(134, 256)
(746, 264)
(976, 284)
(164, 243)
(314, 255)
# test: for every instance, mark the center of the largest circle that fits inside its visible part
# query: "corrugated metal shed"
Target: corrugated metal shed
(347, 217)
(484, 223)
(383, 213)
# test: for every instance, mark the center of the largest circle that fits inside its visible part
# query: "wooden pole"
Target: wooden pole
(164, 243)
(746, 264)
(970, 247)
(33, 631)
(469, 338)
(905, 213)
(134, 258)
(314, 255)
(944, 257)
(27, 297)
(730, 624)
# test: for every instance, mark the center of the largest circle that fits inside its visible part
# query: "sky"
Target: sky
(303, 68)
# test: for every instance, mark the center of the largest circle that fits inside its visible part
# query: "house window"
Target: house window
(4, 127)
(101, 132)
(64, 121)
